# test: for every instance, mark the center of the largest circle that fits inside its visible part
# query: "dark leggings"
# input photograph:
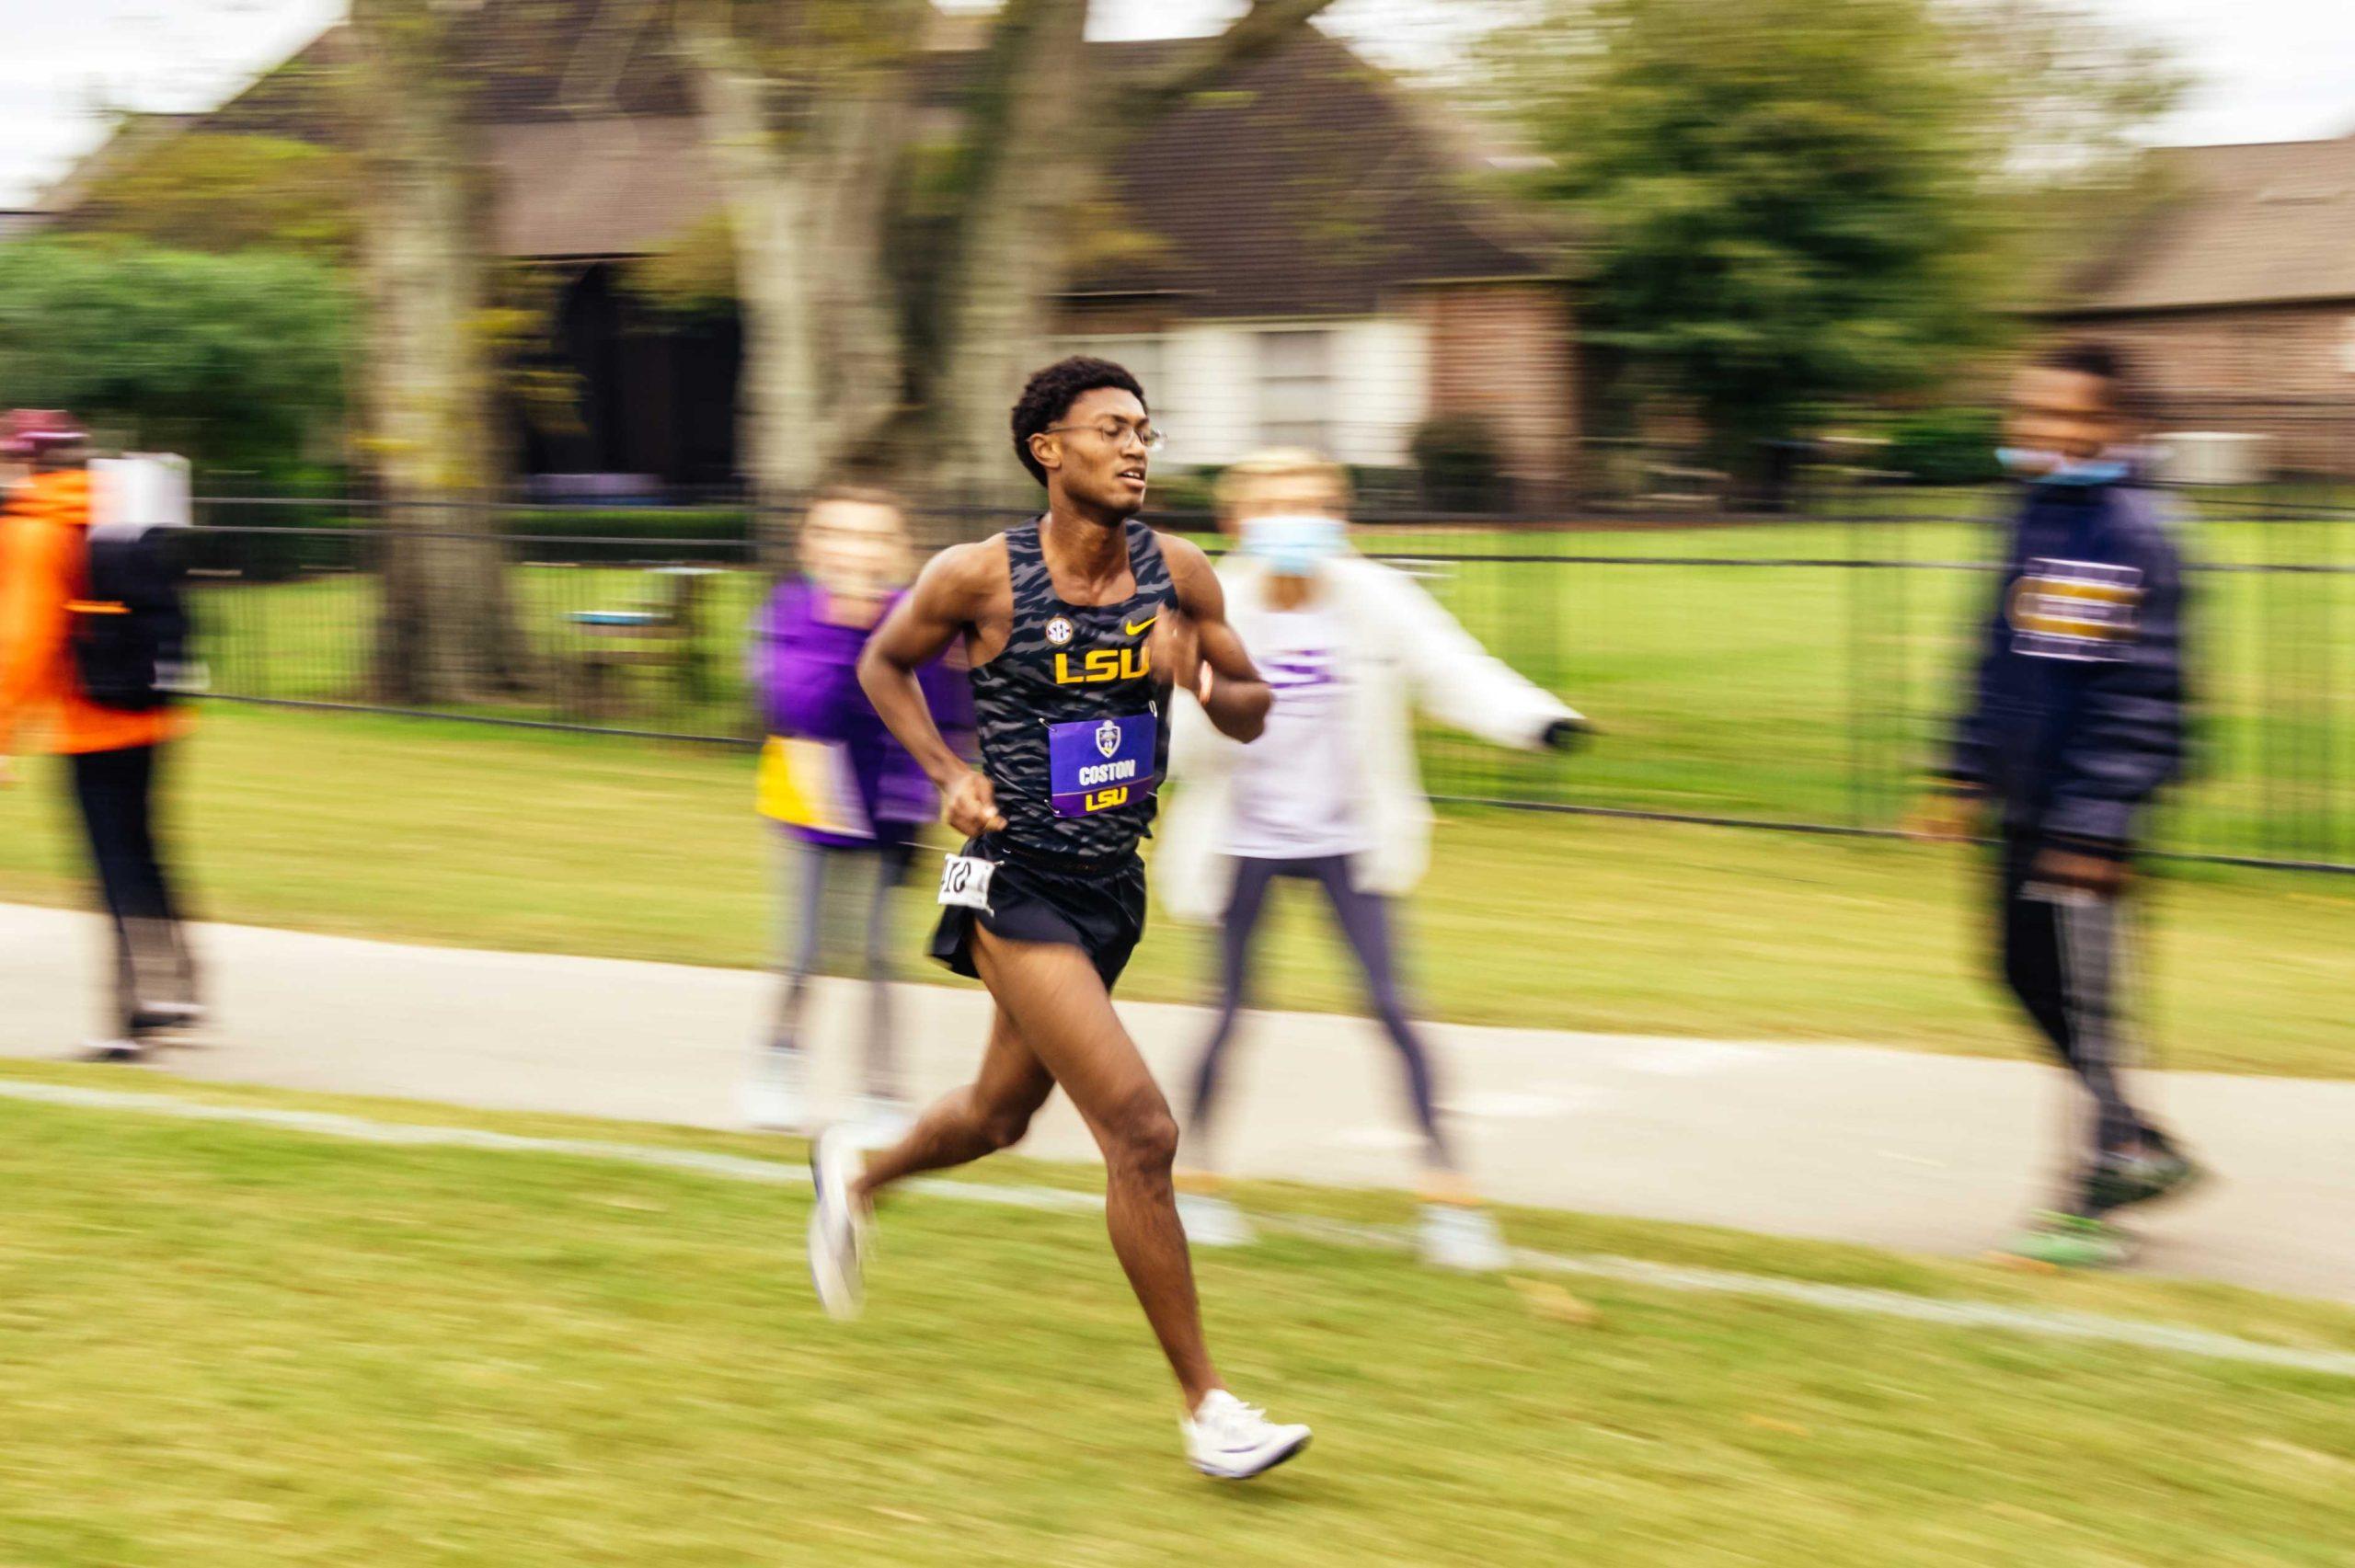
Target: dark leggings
(1365, 924)
(2061, 958)
(115, 793)
(882, 867)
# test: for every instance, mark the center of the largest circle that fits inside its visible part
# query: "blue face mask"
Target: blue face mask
(2051, 468)
(1293, 545)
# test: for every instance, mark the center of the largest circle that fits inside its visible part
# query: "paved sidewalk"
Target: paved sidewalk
(1887, 1148)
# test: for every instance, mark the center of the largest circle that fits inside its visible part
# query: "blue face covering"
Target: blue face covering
(2051, 468)
(1293, 545)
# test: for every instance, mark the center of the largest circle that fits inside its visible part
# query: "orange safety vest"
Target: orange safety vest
(43, 552)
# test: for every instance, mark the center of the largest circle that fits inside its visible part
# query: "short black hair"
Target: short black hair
(1052, 391)
(2105, 363)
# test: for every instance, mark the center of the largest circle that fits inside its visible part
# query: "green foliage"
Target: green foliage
(217, 191)
(1944, 446)
(234, 360)
(694, 275)
(1796, 201)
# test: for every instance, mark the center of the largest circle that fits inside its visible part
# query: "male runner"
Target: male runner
(1078, 628)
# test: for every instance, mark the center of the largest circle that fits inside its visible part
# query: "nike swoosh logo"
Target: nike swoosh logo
(1140, 625)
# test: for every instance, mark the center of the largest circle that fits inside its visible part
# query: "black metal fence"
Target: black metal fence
(1793, 672)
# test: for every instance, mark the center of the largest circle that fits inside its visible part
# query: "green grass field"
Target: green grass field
(441, 832)
(236, 1345)
(1794, 692)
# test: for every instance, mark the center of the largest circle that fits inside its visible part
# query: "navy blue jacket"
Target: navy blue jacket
(2078, 716)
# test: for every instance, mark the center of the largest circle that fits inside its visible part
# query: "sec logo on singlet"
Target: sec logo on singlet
(1060, 630)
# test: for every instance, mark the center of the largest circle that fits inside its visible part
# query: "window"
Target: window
(1296, 388)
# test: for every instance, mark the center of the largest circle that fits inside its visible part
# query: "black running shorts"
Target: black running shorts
(1099, 911)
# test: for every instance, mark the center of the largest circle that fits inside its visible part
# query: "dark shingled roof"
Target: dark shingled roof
(2265, 223)
(1309, 184)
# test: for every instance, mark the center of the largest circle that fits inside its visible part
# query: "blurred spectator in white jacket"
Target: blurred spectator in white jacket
(1330, 794)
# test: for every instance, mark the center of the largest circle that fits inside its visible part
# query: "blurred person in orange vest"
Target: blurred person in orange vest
(73, 680)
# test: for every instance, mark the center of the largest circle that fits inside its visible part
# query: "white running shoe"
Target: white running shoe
(776, 1098)
(1466, 1238)
(1211, 1221)
(1228, 1440)
(837, 1224)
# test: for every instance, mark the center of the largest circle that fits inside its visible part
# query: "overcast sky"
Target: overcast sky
(2269, 70)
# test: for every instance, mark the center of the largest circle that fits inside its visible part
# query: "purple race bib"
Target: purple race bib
(1097, 765)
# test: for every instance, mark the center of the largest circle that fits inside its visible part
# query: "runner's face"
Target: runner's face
(1089, 468)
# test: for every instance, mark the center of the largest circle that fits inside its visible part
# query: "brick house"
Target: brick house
(1300, 256)
(2235, 295)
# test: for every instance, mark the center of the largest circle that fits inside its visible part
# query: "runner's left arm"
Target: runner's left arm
(1201, 652)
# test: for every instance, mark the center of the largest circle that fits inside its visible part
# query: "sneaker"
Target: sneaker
(2070, 1241)
(2119, 1179)
(119, 1050)
(1461, 1238)
(1211, 1221)
(837, 1225)
(882, 1121)
(776, 1098)
(177, 1024)
(1229, 1440)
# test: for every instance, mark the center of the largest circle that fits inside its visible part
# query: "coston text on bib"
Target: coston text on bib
(1097, 765)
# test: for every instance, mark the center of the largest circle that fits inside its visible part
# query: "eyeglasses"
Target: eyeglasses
(1114, 433)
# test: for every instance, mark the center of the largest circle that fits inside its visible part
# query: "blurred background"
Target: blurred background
(1665, 342)
(1662, 338)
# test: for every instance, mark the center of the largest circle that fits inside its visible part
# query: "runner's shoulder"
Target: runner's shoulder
(969, 577)
(1187, 561)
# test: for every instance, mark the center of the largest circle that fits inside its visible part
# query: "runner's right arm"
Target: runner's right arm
(948, 598)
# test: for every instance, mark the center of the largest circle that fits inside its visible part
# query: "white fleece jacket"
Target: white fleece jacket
(1402, 652)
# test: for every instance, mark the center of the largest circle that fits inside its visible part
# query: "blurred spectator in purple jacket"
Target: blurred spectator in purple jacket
(847, 797)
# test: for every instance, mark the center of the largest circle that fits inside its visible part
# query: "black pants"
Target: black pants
(2064, 952)
(115, 792)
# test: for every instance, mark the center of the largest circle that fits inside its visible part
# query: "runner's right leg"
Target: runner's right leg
(967, 1124)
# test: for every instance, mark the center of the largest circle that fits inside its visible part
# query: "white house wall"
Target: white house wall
(1202, 379)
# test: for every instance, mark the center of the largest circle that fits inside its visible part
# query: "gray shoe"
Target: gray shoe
(1463, 1238)
(776, 1098)
(119, 1050)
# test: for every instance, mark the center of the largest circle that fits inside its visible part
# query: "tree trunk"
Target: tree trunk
(806, 110)
(447, 633)
(809, 108)
(1023, 157)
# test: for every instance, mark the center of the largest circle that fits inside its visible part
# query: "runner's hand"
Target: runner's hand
(969, 805)
(8, 770)
(1175, 650)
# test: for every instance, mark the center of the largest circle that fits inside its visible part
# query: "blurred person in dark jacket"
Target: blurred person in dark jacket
(846, 797)
(2075, 721)
(79, 671)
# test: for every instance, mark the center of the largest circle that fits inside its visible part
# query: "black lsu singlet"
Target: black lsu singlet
(1071, 719)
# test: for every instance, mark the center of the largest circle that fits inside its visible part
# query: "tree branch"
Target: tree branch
(1260, 30)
